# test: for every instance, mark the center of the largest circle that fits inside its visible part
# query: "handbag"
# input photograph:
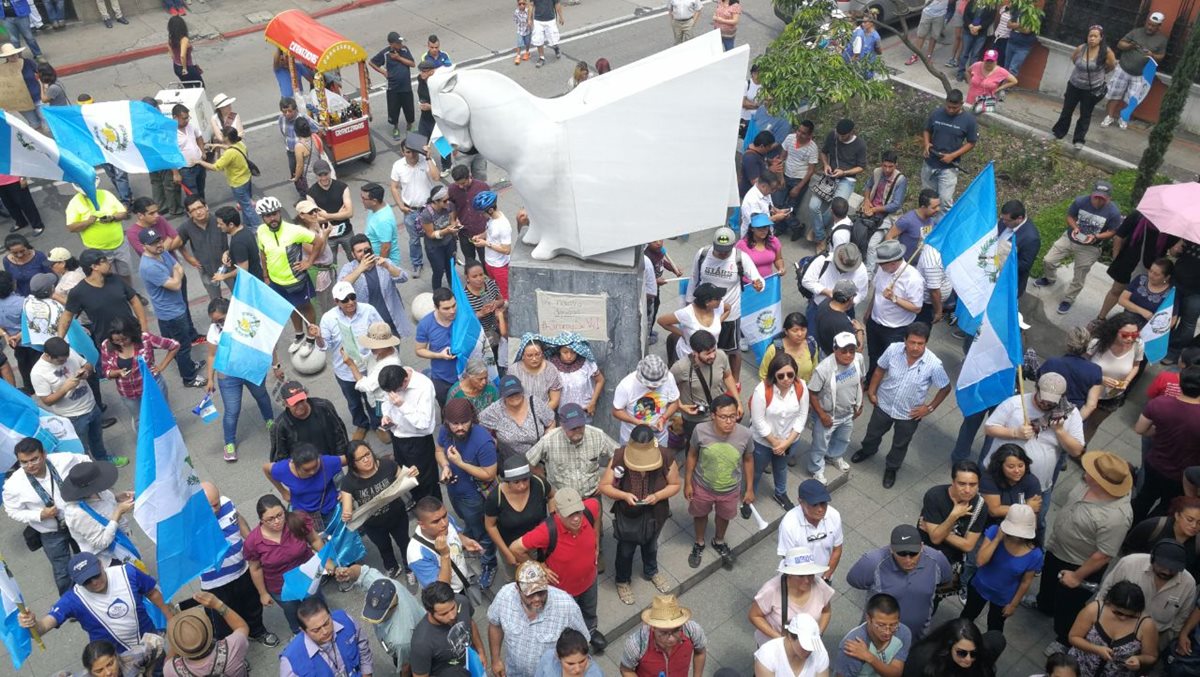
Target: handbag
(254, 170)
(635, 524)
(825, 187)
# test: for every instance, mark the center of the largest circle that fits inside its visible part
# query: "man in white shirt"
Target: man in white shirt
(436, 551)
(758, 201)
(836, 396)
(191, 144)
(413, 179)
(60, 384)
(937, 285)
(410, 414)
(496, 241)
(800, 157)
(725, 267)
(683, 15)
(33, 497)
(820, 278)
(899, 291)
(814, 524)
(648, 396)
(348, 319)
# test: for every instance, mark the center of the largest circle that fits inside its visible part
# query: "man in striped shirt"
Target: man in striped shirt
(230, 581)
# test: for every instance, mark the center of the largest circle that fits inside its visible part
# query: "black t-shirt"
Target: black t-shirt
(364, 489)
(102, 304)
(442, 649)
(1021, 492)
(830, 323)
(845, 155)
(243, 248)
(511, 523)
(331, 201)
(426, 121)
(543, 10)
(936, 507)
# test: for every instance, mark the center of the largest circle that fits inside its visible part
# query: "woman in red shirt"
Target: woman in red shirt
(281, 542)
(118, 361)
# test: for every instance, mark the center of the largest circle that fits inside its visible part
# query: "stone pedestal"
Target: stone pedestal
(625, 310)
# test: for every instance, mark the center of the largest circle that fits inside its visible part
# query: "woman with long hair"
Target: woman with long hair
(1181, 524)
(1119, 350)
(282, 541)
(1114, 637)
(486, 302)
(1147, 291)
(764, 248)
(368, 477)
(22, 261)
(582, 380)
(1009, 481)
(234, 163)
(179, 46)
(778, 412)
(1092, 62)
(119, 355)
(100, 659)
(308, 149)
(955, 648)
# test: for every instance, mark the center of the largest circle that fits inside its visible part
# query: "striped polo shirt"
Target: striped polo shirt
(234, 565)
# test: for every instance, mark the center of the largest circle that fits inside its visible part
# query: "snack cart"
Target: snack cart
(346, 132)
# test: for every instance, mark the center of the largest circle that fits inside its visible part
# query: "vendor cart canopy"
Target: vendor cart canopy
(311, 43)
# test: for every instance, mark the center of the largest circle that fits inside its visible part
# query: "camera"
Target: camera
(701, 407)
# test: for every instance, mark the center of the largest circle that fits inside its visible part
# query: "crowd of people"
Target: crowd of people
(513, 473)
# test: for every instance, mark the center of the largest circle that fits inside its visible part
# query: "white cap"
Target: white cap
(844, 340)
(806, 630)
(1157, 17)
(341, 290)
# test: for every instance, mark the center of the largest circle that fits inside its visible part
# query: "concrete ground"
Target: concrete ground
(479, 34)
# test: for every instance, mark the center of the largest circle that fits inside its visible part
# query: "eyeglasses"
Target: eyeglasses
(275, 518)
(1129, 334)
(726, 417)
(885, 627)
(964, 653)
(817, 537)
(349, 297)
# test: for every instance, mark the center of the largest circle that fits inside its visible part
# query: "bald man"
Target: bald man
(230, 580)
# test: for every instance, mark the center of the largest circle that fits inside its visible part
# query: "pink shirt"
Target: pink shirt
(727, 12)
(984, 85)
(277, 558)
(764, 259)
(770, 601)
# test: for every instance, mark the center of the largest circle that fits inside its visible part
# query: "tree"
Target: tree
(1168, 115)
(803, 67)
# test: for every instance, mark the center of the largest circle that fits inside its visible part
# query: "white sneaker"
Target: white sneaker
(820, 477)
(1107, 121)
(841, 464)
(306, 349)
(1122, 124)
(296, 345)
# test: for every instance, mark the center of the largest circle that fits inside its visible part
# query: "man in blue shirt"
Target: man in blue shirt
(119, 592)
(433, 342)
(394, 62)
(466, 458)
(163, 276)
(906, 570)
(350, 318)
(1091, 219)
(950, 133)
(381, 224)
(911, 228)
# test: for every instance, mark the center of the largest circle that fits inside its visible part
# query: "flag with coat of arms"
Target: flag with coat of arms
(130, 135)
(762, 315)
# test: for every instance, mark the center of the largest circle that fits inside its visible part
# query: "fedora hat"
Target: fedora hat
(642, 457)
(665, 613)
(8, 49)
(189, 633)
(1107, 469)
(379, 335)
(88, 479)
(888, 251)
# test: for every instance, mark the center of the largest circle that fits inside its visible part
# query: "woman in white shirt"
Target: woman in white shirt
(706, 311)
(799, 653)
(778, 411)
(94, 514)
(1119, 350)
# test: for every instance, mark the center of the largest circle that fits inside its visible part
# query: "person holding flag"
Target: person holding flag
(110, 603)
(95, 516)
(899, 293)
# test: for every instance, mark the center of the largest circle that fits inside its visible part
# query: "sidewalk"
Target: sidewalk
(1039, 112)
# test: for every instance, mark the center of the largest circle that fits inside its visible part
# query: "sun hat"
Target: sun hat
(799, 562)
(9, 49)
(88, 479)
(888, 251)
(806, 630)
(665, 613)
(1110, 471)
(189, 633)
(641, 457)
(1020, 521)
(379, 335)
(652, 371)
(221, 100)
(531, 578)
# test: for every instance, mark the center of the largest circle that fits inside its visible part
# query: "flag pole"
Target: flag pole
(915, 254)
(1021, 390)
(33, 631)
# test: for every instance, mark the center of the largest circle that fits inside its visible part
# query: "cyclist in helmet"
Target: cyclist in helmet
(288, 250)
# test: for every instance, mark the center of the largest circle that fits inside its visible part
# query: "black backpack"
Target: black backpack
(802, 267)
(862, 228)
(552, 533)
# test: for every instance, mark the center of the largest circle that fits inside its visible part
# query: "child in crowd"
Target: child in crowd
(524, 32)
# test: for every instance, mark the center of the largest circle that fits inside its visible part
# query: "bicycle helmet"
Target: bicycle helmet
(267, 205)
(484, 201)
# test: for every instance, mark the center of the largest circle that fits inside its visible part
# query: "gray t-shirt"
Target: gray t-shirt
(1133, 60)
(831, 379)
(442, 649)
(719, 462)
(543, 10)
(687, 378)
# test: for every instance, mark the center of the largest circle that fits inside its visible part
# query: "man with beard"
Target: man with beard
(466, 458)
(528, 601)
(440, 640)
(287, 252)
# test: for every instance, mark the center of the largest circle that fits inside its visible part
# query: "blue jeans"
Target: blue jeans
(180, 329)
(243, 195)
(193, 179)
(412, 223)
(441, 261)
(727, 43)
(944, 181)
(362, 413)
(120, 181)
(831, 442)
(57, 546)
(820, 208)
(91, 433)
(1014, 57)
(231, 396)
(470, 510)
(764, 455)
(55, 10)
(971, 49)
(18, 27)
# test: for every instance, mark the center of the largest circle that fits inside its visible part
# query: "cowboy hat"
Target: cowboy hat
(1108, 470)
(665, 613)
(88, 479)
(379, 335)
(9, 49)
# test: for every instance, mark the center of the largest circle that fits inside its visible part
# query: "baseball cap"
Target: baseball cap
(84, 567)
(1051, 387)
(812, 492)
(991, 55)
(306, 205)
(806, 631)
(342, 289)
(844, 290)
(572, 416)
(321, 167)
(531, 578)
(568, 501)
(1102, 189)
(58, 254)
(294, 392)
(380, 598)
(1169, 554)
(1157, 17)
(149, 236)
(723, 240)
(510, 385)
(906, 540)
(394, 37)
(845, 340)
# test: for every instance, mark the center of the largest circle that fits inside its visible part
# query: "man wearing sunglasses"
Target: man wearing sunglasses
(906, 570)
(347, 319)
(813, 524)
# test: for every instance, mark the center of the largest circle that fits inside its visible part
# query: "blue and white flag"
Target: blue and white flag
(257, 315)
(968, 239)
(1139, 88)
(28, 153)
(989, 371)
(130, 135)
(20, 417)
(762, 315)
(77, 337)
(467, 339)
(17, 640)
(302, 581)
(342, 544)
(1157, 332)
(168, 502)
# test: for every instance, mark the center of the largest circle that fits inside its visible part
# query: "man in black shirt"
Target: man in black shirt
(441, 639)
(843, 157)
(394, 62)
(1187, 297)
(103, 296)
(833, 317)
(334, 205)
(424, 70)
(953, 515)
(243, 246)
(307, 420)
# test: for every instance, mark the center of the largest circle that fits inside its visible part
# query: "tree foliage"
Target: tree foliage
(1169, 112)
(1031, 14)
(804, 68)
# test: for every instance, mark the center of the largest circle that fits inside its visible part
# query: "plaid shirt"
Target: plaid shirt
(526, 640)
(577, 466)
(131, 385)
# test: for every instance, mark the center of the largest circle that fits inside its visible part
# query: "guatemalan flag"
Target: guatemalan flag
(25, 152)
(968, 240)
(21, 418)
(466, 333)
(989, 371)
(34, 336)
(1157, 331)
(256, 318)
(17, 640)
(168, 502)
(131, 135)
(762, 315)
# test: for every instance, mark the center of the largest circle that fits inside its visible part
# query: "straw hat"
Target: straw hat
(665, 613)
(643, 457)
(379, 335)
(221, 100)
(1110, 471)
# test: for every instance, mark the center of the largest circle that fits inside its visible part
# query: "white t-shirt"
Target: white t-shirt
(908, 285)
(186, 139)
(796, 531)
(754, 203)
(645, 405)
(1043, 448)
(499, 231)
(773, 656)
(723, 272)
(689, 324)
(649, 281)
(798, 160)
(415, 184)
(48, 378)
(752, 88)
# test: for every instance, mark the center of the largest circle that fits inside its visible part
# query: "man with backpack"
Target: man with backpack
(818, 278)
(569, 542)
(721, 265)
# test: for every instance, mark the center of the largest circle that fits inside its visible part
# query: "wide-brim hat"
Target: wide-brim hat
(8, 49)
(1110, 471)
(642, 457)
(888, 251)
(379, 335)
(88, 479)
(799, 562)
(189, 633)
(222, 100)
(665, 613)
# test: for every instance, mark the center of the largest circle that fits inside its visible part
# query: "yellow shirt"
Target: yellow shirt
(234, 165)
(804, 363)
(106, 235)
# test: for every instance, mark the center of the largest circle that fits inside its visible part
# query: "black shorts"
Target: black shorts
(730, 339)
(1122, 268)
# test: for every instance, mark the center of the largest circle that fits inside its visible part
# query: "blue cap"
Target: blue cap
(510, 385)
(812, 491)
(84, 567)
(760, 221)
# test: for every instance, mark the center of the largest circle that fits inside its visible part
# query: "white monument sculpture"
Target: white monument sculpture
(640, 153)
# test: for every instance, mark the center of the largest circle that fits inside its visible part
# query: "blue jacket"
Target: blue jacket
(21, 7)
(345, 638)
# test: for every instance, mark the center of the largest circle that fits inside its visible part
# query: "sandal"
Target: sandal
(625, 593)
(911, 60)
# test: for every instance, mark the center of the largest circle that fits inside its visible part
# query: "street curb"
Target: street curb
(714, 566)
(144, 52)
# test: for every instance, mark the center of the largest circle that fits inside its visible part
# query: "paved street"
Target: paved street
(479, 33)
